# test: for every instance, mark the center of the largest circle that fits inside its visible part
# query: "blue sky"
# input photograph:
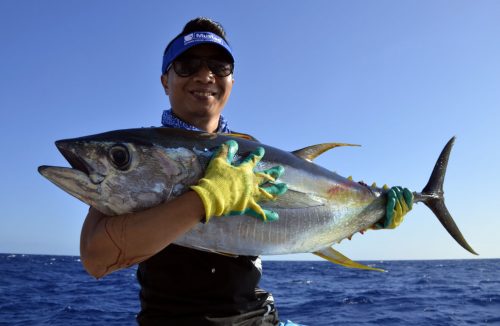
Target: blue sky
(398, 77)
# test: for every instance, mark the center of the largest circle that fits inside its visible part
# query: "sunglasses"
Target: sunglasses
(187, 66)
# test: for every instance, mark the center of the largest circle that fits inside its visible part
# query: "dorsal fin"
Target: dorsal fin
(311, 152)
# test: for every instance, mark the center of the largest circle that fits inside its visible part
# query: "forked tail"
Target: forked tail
(433, 197)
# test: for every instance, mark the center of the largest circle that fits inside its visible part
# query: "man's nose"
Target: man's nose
(205, 74)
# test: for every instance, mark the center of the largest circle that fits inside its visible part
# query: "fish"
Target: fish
(129, 170)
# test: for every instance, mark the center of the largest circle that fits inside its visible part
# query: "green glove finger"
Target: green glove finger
(231, 151)
(221, 151)
(269, 175)
(399, 211)
(408, 196)
(254, 157)
(399, 193)
(270, 216)
(248, 212)
(275, 172)
(398, 208)
(275, 189)
(255, 210)
(251, 212)
(264, 214)
(389, 209)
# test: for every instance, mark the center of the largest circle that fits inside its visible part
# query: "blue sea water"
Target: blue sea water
(55, 290)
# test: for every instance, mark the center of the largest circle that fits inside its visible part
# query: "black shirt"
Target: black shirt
(183, 286)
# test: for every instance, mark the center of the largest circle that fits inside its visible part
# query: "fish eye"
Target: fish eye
(119, 156)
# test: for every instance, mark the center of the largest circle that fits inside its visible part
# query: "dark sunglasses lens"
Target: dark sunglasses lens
(220, 68)
(187, 67)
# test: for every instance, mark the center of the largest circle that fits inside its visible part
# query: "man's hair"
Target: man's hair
(206, 25)
(201, 24)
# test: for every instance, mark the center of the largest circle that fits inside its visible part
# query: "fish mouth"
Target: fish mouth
(74, 160)
(79, 164)
(79, 180)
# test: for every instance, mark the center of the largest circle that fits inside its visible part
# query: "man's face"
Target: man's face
(201, 95)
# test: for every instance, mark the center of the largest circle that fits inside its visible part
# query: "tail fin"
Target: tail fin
(433, 197)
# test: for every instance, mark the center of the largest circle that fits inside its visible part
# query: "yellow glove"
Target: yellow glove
(228, 189)
(399, 202)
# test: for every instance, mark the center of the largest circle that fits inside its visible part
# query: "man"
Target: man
(182, 286)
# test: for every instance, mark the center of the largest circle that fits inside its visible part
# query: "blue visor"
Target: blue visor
(184, 42)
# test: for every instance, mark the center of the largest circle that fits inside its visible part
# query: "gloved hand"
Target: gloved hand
(228, 189)
(399, 202)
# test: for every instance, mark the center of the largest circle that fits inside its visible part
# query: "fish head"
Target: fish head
(118, 177)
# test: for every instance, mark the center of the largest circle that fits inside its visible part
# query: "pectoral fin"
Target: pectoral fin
(336, 257)
(293, 200)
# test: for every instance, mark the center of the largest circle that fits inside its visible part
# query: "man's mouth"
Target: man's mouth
(203, 94)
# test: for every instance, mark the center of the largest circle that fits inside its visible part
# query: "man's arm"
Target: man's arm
(109, 243)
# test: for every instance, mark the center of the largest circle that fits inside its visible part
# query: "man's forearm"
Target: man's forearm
(109, 243)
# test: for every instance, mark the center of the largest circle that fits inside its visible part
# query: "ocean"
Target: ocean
(55, 290)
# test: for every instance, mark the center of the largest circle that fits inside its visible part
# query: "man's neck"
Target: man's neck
(209, 124)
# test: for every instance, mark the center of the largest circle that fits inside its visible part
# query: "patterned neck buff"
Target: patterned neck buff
(168, 119)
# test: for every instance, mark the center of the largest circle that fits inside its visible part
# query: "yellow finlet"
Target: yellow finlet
(311, 152)
(336, 257)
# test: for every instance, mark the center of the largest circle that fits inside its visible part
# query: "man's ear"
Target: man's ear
(164, 82)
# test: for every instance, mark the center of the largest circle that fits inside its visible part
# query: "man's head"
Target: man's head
(197, 72)
(197, 31)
